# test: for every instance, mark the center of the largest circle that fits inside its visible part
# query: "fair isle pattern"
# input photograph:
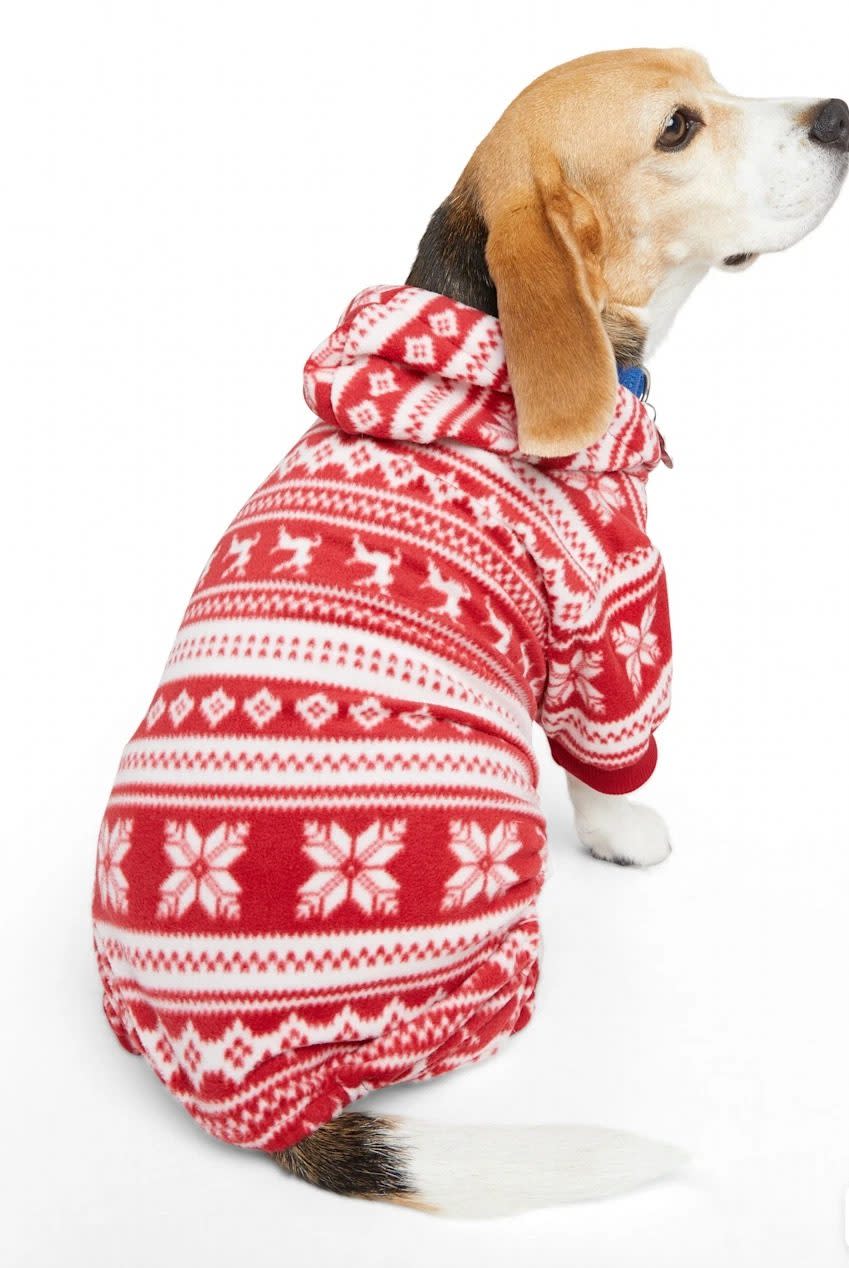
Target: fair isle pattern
(318, 867)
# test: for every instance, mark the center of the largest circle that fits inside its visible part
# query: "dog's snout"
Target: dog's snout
(831, 124)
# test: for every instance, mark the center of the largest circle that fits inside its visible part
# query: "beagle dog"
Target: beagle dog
(604, 193)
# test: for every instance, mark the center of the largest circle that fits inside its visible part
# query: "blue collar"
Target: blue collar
(636, 379)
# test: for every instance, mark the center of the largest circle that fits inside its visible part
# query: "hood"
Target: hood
(409, 364)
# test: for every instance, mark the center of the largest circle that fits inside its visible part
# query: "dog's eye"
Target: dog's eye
(678, 130)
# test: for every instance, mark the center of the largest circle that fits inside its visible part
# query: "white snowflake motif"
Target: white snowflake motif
(201, 870)
(577, 676)
(603, 494)
(638, 644)
(351, 868)
(487, 511)
(497, 430)
(112, 847)
(483, 869)
(368, 713)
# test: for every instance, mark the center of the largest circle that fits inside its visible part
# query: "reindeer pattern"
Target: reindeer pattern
(377, 568)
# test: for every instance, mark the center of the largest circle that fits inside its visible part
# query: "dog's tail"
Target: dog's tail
(474, 1171)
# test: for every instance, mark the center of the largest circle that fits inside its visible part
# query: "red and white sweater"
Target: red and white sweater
(318, 866)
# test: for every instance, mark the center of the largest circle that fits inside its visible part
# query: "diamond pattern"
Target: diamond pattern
(262, 707)
(180, 708)
(155, 712)
(316, 709)
(216, 706)
(369, 713)
(444, 323)
(419, 350)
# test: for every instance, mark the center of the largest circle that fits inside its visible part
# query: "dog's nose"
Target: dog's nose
(831, 126)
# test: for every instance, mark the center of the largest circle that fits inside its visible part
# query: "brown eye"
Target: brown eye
(677, 130)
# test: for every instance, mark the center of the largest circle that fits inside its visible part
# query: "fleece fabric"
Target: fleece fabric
(318, 867)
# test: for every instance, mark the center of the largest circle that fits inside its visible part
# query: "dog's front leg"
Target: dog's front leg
(616, 829)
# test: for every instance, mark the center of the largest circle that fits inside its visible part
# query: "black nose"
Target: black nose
(831, 125)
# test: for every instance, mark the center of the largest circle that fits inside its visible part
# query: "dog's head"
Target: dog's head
(602, 195)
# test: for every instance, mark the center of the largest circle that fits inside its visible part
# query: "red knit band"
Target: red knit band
(615, 782)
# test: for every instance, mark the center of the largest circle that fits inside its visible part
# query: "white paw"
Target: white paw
(623, 832)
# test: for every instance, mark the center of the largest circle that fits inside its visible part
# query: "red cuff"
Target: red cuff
(624, 780)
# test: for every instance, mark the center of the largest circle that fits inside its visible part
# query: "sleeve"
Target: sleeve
(609, 676)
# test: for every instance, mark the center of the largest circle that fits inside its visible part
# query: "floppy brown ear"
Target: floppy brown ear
(541, 253)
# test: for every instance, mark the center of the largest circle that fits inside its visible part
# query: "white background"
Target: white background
(190, 193)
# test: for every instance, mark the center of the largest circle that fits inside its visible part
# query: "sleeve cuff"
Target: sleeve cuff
(615, 782)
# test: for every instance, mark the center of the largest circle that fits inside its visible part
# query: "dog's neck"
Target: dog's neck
(661, 310)
(451, 260)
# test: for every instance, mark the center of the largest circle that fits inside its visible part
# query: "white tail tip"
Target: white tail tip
(479, 1172)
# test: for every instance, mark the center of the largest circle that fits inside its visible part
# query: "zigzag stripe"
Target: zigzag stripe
(319, 763)
(240, 962)
(214, 1003)
(527, 804)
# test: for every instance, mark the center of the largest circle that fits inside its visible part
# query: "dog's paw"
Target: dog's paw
(625, 833)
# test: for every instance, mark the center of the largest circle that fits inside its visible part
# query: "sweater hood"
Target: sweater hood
(411, 365)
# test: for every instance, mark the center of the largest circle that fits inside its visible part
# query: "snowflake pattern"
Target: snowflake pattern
(487, 510)
(112, 847)
(603, 493)
(638, 644)
(201, 870)
(576, 677)
(482, 869)
(350, 868)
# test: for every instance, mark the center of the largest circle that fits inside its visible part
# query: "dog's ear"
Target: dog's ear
(543, 255)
